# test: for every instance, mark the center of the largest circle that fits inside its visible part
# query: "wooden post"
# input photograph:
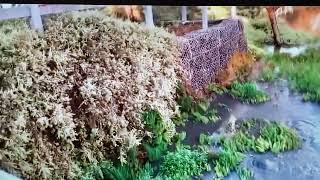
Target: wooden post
(205, 17)
(184, 13)
(36, 22)
(148, 16)
(233, 11)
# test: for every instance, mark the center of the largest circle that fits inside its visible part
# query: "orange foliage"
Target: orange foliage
(239, 66)
(133, 13)
(305, 18)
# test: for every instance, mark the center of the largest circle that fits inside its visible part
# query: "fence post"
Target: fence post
(36, 22)
(148, 16)
(184, 13)
(205, 17)
(233, 11)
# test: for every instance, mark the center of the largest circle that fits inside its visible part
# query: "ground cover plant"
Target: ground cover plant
(253, 135)
(76, 93)
(248, 92)
(197, 110)
(302, 71)
(184, 163)
(244, 173)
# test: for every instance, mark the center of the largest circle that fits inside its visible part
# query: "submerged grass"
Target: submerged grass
(248, 92)
(302, 72)
(272, 136)
(257, 136)
(227, 161)
(244, 173)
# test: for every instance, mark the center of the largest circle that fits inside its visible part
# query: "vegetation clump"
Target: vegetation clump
(157, 145)
(248, 92)
(75, 93)
(184, 163)
(198, 111)
(253, 135)
(302, 72)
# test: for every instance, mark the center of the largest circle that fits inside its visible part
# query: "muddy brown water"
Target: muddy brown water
(286, 106)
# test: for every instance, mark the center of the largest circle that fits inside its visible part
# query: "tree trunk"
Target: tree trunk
(275, 30)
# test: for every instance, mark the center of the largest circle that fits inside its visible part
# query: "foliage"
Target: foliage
(184, 163)
(216, 88)
(302, 72)
(199, 111)
(218, 12)
(227, 161)
(244, 173)
(272, 136)
(268, 74)
(259, 32)
(157, 145)
(179, 137)
(277, 138)
(205, 139)
(75, 93)
(106, 170)
(248, 92)
(253, 135)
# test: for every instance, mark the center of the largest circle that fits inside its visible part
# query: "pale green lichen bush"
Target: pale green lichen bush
(75, 93)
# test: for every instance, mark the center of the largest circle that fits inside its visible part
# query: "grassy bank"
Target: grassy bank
(302, 72)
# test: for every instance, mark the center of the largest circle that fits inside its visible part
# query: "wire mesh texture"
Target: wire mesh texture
(206, 52)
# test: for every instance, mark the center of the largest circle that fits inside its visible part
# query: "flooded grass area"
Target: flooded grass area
(285, 107)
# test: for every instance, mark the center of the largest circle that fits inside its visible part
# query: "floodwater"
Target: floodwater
(292, 51)
(289, 108)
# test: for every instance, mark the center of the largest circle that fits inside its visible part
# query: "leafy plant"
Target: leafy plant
(205, 139)
(227, 161)
(248, 92)
(106, 170)
(268, 75)
(278, 138)
(184, 163)
(216, 88)
(244, 173)
(272, 136)
(198, 111)
(157, 145)
(179, 137)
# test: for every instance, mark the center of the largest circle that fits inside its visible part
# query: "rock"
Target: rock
(266, 164)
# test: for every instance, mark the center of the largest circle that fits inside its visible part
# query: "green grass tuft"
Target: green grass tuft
(244, 173)
(227, 161)
(184, 163)
(302, 72)
(248, 92)
(205, 139)
(216, 88)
